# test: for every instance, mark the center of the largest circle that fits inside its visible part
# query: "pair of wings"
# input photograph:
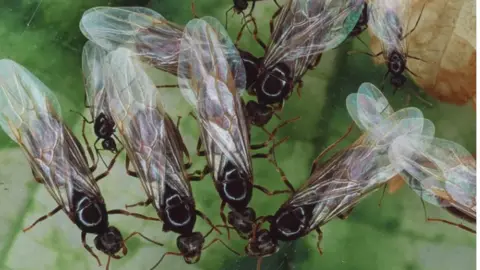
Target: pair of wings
(30, 117)
(440, 171)
(142, 30)
(93, 57)
(212, 78)
(390, 21)
(304, 29)
(350, 175)
(151, 139)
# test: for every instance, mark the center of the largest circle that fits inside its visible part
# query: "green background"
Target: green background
(44, 37)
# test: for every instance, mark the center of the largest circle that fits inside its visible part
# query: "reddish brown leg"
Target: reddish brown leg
(319, 240)
(129, 172)
(163, 256)
(87, 144)
(198, 175)
(109, 168)
(271, 158)
(88, 248)
(224, 218)
(145, 203)
(126, 213)
(331, 146)
(275, 15)
(273, 133)
(461, 226)
(209, 222)
(200, 153)
(345, 214)
(144, 237)
(271, 193)
(223, 243)
(42, 218)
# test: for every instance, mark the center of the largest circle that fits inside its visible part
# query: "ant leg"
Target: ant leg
(129, 172)
(344, 215)
(271, 193)
(89, 149)
(416, 58)
(126, 213)
(200, 153)
(416, 23)
(209, 222)
(194, 14)
(276, 3)
(383, 195)
(88, 248)
(319, 240)
(275, 15)
(144, 237)
(109, 167)
(331, 146)
(273, 133)
(367, 53)
(255, 35)
(166, 254)
(42, 218)
(274, 162)
(461, 226)
(223, 243)
(145, 203)
(224, 218)
(226, 17)
(199, 175)
(167, 86)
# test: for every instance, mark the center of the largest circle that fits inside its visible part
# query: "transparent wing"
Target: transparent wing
(355, 172)
(310, 27)
(388, 20)
(144, 127)
(342, 182)
(140, 29)
(211, 77)
(93, 58)
(29, 116)
(442, 172)
(369, 106)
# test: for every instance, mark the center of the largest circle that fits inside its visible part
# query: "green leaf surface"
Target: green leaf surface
(44, 37)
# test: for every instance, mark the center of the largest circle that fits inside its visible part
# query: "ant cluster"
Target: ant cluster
(213, 73)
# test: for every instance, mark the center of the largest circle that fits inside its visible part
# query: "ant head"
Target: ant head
(258, 114)
(262, 245)
(239, 5)
(110, 145)
(242, 221)
(109, 242)
(191, 246)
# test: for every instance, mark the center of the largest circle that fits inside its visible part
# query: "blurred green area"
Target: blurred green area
(43, 36)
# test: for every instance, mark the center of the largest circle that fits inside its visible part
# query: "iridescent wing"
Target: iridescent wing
(368, 106)
(442, 172)
(93, 58)
(212, 83)
(355, 172)
(305, 28)
(389, 21)
(29, 115)
(141, 29)
(145, 128)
